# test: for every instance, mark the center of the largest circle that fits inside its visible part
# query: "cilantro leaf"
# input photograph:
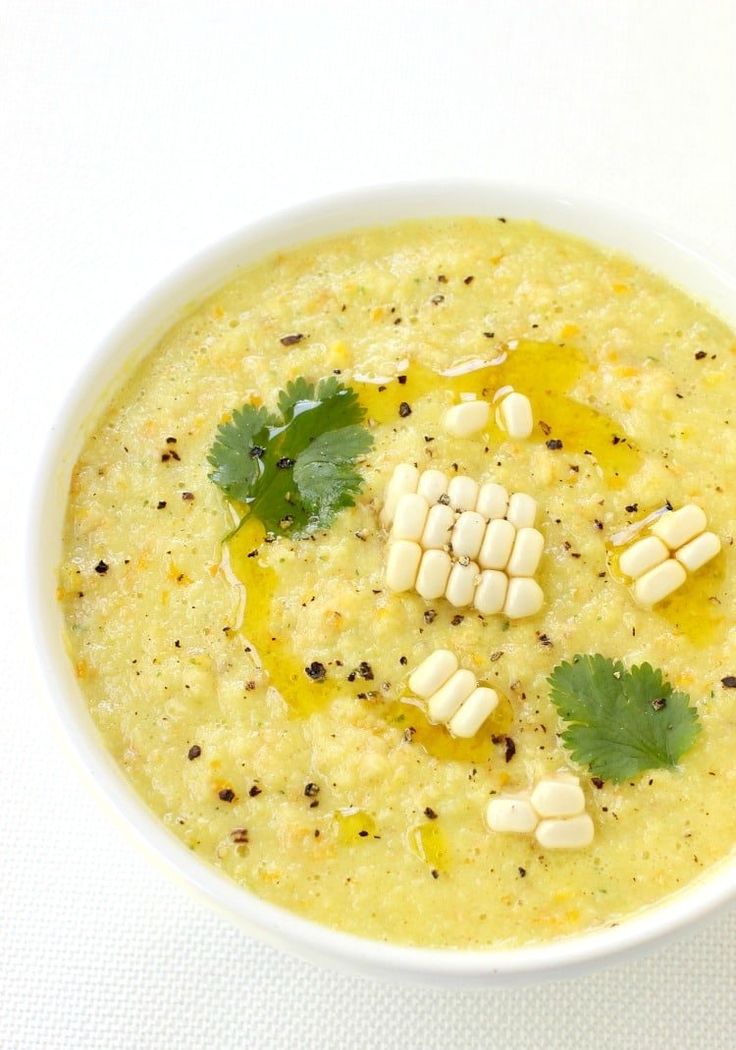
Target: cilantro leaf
(232, 455)
(324, 472)
(621, 721)
(295, 470)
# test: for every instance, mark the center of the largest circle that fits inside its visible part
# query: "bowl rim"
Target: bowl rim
(681, 262)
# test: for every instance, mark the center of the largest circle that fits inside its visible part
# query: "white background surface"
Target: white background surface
(130, 136)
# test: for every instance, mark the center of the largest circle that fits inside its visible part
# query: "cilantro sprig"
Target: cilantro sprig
(294, 468)
(621, 721)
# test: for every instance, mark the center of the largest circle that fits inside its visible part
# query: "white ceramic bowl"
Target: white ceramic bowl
(129, 341)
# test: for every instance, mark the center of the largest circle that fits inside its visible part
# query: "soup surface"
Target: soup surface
(254, 689)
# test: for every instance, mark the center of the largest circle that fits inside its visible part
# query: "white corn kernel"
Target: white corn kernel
(524, 597)
(526, 553)
(438, 529)
(443, 704)
(490, 594)
(492, 501)
(515, 416)
(467, 418)
(432, 673)
(643, 556)
(467, 535)
(434, 570)
(410, 517)
(659, 582)
(432, 485)
(699, 551)
(522, 510)
(679, 526)
(473, 712)
(405, 478)
(461, 584)
(497, 544)
(558, 797)
(511, 815)
(463, 492)
(573, 833)
(402, 565)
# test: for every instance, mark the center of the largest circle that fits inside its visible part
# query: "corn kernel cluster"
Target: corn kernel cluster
(453, 695)
(677, 544)
(554, 812)
(472, 544)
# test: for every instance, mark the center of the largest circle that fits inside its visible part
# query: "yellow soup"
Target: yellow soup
(334, 795)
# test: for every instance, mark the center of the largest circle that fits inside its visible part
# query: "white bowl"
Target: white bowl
(134, 337)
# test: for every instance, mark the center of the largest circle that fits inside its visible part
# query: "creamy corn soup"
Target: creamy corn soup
(253, 682)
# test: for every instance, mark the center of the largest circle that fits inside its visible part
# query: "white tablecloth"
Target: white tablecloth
(131, 134)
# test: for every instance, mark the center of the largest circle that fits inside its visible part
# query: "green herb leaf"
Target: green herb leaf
(621, 721)
(295, 470)
(236, 467)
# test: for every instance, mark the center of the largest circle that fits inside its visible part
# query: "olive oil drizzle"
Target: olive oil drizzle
(428, 842)
(547, 373)
(304, 696)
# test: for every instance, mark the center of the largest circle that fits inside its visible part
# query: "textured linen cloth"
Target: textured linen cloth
(132, 134)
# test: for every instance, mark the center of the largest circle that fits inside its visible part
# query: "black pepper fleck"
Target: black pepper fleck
(101, 567)
(284, 463)
(700, 355)
(257, 452)
(311, 790)
(227, 795)
(291, 340)
(161, 504)
(554, 444)
(194, 752)
(254, 791)
(729, 682)
(316, 671)
(430, 616)
(509, 745)
(404, 409)
(430, 813)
